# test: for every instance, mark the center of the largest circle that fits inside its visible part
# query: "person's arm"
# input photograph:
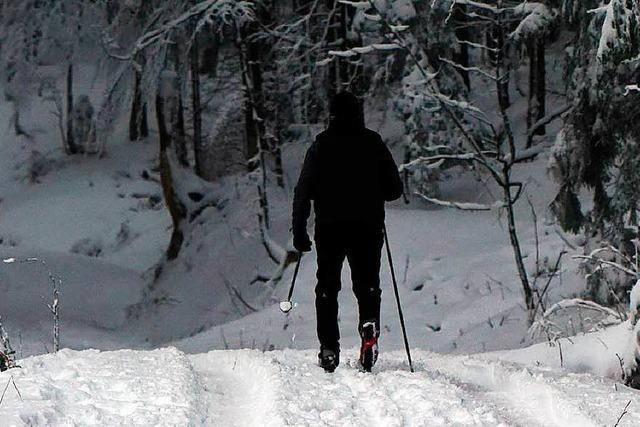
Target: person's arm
(302, 196)
(392, 187)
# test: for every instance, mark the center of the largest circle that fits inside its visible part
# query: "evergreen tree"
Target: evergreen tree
(598, 146)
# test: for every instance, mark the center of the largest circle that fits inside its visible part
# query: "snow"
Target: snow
(538, 18)
(252, 388)
(608, 34)
(618, 26)
(634, 302)
(91, 387)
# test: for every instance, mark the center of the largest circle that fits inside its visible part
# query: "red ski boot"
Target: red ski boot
(369, 347)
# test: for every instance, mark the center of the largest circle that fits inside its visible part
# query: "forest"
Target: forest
(151, 150)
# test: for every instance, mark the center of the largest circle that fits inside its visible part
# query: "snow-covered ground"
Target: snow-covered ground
(254, 388)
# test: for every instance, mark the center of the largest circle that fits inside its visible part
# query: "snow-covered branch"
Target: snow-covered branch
(602, 264)
(471, 69)
(354, 51)
(558, 112)
(631, 88)
(463, 206)
(438, 159)
(538, 18)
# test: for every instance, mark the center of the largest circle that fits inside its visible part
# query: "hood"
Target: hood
(346, 112)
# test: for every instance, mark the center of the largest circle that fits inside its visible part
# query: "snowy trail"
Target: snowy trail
(237, 386)
(286, 388)
(278, 388)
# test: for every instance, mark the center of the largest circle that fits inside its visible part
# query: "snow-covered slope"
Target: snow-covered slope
(252, 388)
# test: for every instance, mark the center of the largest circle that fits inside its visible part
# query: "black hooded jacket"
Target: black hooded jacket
(348, 172)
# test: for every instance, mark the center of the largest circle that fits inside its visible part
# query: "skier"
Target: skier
(349, 173)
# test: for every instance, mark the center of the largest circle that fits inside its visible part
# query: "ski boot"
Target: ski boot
(369, 347)
(329, 359)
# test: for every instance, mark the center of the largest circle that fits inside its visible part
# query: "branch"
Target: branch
(548, 119)
(461, 205)
(631, 88)
(605, 263)
(612, 318)
(438, 159)
(364, 49)
(519, 186)
(546, 287)
(624, 412)
(528, 154)
(565, 238)
(469, 69)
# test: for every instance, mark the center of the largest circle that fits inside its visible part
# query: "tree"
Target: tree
(598, 146)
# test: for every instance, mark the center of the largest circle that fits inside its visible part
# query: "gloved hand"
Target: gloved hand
(301, 241)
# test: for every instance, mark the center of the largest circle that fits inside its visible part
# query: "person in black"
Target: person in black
(349, 173)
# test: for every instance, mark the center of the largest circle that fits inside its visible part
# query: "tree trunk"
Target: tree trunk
(506, 183)
(254, 126)
(334, 84)
(536, 109)
(72, 147)
(279, 169)
(210, 57)
(531, 99)
(503, 97)
(138, 125)
(176, 209)
(541, 86)
(179, 133)
(462, 33)
(517, 251)
(196, 107)
(251, 64)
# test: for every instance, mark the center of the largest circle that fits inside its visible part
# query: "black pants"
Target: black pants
(361, 244)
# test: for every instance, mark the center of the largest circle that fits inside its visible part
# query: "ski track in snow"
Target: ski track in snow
(279, 388)
(287, 388)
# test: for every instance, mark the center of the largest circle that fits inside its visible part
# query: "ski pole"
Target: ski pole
(286, 306)
(395, 290)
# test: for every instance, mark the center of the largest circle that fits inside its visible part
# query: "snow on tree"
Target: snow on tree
(619, 35)
(598, 146)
